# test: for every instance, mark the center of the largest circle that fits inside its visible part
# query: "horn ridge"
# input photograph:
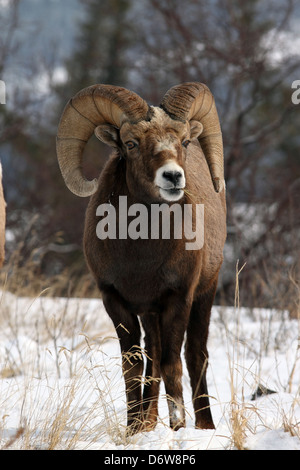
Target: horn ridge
(72, 104)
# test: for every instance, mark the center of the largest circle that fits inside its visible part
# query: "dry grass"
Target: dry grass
(74, 403)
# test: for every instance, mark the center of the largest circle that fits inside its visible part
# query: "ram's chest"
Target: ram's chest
(139, 270)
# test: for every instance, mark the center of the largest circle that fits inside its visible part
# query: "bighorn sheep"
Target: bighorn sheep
(157, 160)
(2, 221)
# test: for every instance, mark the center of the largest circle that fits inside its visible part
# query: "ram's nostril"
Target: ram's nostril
(173, 176)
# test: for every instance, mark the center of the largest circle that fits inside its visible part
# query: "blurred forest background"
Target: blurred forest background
(248, 53)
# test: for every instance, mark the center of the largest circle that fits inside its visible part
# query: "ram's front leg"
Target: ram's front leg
(128, 330)
(132, 365)
(173, 326)
(150, 324)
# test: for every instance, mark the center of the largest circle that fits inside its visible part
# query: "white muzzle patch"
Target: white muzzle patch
(170, 179)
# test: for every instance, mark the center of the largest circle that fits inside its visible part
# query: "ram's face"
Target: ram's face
(156, 151)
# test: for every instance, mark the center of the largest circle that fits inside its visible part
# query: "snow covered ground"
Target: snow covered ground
(61, 383)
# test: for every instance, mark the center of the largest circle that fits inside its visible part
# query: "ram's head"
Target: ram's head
(153, 140)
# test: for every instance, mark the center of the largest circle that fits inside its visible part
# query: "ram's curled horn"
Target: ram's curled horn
(194, 101)
(91, 107)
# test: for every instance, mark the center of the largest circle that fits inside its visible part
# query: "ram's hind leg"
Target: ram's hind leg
(197, 356)
(128, 330)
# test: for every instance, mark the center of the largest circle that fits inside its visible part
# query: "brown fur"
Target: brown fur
(172, 289)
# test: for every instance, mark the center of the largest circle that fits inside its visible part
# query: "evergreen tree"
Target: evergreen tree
(99, 57)
(104, 36)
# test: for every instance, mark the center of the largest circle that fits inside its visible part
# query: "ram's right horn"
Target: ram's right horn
(194, 101)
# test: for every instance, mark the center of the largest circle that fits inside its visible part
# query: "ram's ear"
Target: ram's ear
(196, 129)
(107, 134)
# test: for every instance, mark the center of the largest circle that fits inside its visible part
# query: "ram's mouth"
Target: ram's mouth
(171, 194)
(170, 181)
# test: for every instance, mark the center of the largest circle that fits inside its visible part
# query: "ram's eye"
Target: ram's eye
(185, 143)
(130, 144)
